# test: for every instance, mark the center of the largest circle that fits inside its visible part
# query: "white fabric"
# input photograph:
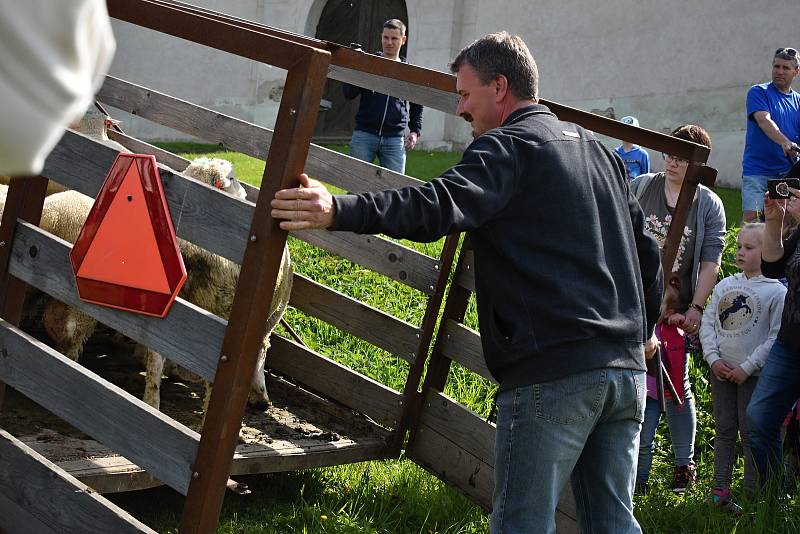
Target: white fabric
(53, 57)
(751, 309)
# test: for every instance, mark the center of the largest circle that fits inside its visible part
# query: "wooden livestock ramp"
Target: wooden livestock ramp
(345, 416)
(128, 444)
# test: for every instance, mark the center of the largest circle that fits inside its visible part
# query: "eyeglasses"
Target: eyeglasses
(675, 160)
(789, 52)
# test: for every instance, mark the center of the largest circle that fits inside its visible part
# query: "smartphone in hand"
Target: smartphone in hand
(779, 188)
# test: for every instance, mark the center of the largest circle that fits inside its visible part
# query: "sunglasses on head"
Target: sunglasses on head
(790, 52)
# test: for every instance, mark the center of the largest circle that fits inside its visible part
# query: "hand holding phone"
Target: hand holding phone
(779, 188)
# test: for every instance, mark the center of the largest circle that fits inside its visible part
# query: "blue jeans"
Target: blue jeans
(682, 423)
(390, 150)
(753, 189)
(682, 429)
(584, 427)
(777, 388)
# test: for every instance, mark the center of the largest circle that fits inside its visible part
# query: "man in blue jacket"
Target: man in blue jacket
(381, 120)
(567, 279)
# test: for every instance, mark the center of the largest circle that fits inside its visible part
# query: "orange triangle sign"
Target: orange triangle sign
(126, 255)
(124, 251)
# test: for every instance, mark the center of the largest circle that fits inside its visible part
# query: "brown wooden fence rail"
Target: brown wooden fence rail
(448, 439)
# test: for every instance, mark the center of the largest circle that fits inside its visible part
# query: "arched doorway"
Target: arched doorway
(345, 22)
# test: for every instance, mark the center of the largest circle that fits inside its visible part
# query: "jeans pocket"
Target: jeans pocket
(571, 399)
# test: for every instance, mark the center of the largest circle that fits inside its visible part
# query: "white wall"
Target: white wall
(665, 61)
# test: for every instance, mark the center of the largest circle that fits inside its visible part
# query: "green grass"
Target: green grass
(397, 496)
(732, 199)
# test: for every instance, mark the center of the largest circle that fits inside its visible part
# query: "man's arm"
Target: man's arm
(463, 198)
(414, 126)
(770, 129)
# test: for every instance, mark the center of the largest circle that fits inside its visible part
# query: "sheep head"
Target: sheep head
(216, 172)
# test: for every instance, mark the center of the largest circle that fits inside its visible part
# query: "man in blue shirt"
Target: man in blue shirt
(381, 119)
(773, 130)
(635, 158)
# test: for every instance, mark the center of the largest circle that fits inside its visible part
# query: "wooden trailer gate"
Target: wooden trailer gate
(445, 437)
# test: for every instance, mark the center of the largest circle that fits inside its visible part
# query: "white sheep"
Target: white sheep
(211, 284)
(216, 172)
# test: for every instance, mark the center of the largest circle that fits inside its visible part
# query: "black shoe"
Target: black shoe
(683, 478)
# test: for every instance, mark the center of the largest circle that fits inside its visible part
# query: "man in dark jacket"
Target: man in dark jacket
(567, 279)
(381, 120)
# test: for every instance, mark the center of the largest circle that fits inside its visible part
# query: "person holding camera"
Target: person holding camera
(696, 266)
(779, 385)
(773, 131)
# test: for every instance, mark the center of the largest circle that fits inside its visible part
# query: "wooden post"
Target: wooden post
(24, 201)
(439, 367)
(247, 323)
(410, 415)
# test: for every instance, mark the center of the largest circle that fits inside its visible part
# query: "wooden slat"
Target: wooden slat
(335, 381)
(200, 213)
(363, 321)
(235, 134)
(136, 146)
(253, 459)
(113, 474)
(462, 426)
(386, 257)
(227, 37)
(175, 336)
(466, 275)
(117, 474)
(127, 425)
(213, 220)
(455, 466)
(429, 97)
(463, 345)
(49, 496)
(15, 520)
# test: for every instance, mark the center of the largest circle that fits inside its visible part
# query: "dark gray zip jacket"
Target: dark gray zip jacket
(381, 114)
(567, 279)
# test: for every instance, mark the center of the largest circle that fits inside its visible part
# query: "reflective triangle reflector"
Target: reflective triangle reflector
(126, 255)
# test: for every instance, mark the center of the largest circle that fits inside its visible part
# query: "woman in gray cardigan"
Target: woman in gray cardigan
(697, 265)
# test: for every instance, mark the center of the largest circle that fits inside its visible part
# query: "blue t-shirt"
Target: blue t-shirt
(762, 156)
(637, 161)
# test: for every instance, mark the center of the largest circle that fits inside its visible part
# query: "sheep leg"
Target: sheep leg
(154, 369)
(259, 398)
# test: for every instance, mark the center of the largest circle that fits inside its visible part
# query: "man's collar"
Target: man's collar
(533, 109)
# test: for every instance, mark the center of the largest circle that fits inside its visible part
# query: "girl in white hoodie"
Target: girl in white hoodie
(739, 326)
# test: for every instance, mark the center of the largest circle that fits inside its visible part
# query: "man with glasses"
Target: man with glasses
(773, 130)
